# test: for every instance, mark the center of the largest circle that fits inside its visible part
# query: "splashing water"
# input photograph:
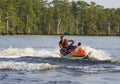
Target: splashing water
(97, 54)
(16, 52)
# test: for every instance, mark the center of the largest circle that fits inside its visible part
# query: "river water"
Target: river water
(36, 60)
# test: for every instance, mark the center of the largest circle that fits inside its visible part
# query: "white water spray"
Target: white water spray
(97, 54)
(16, 52)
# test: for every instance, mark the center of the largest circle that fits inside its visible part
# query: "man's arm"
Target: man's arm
(60, 45)
(71, 41)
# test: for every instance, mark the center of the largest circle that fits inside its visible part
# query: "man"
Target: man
(66, 46)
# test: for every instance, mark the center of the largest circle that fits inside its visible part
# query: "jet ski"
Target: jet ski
(77, 53)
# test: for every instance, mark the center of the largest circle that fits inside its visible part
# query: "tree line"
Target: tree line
(40, 17)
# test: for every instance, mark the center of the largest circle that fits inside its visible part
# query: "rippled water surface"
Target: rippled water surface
(36, 60)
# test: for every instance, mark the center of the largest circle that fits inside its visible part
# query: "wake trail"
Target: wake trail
(17, 52)
(22, 52)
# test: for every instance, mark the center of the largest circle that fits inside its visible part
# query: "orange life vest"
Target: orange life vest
(65, 43)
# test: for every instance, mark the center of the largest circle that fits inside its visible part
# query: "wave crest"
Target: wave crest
(25, 66)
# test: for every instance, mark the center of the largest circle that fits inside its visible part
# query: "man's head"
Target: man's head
(61, 37)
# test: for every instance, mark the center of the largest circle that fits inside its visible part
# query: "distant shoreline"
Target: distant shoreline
(56, 35)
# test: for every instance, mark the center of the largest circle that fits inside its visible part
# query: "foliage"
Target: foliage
(57, 17)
